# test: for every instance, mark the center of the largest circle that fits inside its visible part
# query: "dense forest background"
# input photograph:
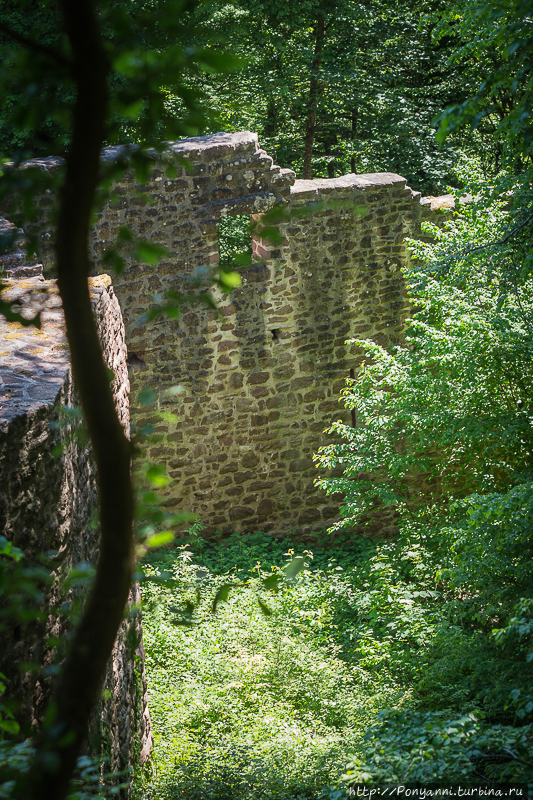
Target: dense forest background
(330, 87)
(407, 660)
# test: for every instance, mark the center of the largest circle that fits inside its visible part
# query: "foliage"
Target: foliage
(372, 650)
(381, 79)
(439, 749)
(147, 47)
(453, 404)
(234, 241)
(444, 437)
(243, 702)
(385, 71)
(505, 96)
(89, 781)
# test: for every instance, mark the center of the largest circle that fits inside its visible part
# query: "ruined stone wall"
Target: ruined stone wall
(336, 276)
(261, 376)
(262, 379)
(48, 501)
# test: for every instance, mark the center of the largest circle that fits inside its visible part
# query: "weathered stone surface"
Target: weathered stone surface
(263, 375)
(274, 373)
(15, 263)
(48, 501)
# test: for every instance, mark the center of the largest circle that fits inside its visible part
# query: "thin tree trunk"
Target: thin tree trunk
(78, 687)
(271, 118)
(314, 92)
(328, 145)
(352, 137)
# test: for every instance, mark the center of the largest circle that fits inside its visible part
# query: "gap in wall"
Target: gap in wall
(235, 241)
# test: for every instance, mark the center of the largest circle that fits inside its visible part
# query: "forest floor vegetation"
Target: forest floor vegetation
(359, 659)
(365, 660)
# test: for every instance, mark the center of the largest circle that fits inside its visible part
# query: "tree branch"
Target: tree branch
(516, 758)
(469, 250)
(33, 45)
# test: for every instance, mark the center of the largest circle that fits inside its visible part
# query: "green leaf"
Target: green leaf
(156, 475)
(113, 259)
(149, 252)
(271, 582)
(10, 726)
(168, 417)
(229, 280)
(160, 539)
(294, 567)
(147, 397)
(222, 595)
(267, 611)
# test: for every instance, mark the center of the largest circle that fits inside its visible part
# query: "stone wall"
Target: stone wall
(261, 376)
(48, 504)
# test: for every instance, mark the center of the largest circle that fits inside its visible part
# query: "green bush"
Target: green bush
(445, 438)
(247, 703)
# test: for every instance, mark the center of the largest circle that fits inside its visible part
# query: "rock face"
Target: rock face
(261, 377)
(48, 506)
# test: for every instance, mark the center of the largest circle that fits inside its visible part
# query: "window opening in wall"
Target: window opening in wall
(235, 241)
(276, 335)
(354, 420)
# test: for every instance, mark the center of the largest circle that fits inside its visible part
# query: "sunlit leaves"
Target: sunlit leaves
(273, 683)
(229, 280)
(159, 539)
(294, 567)
(221, 595)
(499, 35)
(155, 474)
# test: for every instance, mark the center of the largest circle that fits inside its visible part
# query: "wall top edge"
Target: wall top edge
(351, 181)
(241, 142)
(35, 362)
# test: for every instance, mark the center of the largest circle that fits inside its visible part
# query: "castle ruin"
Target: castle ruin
(260, 376)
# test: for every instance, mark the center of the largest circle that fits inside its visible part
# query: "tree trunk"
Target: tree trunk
(78, 686)
(271, 118)
(314, 92)
(329, 143)
(353, 134)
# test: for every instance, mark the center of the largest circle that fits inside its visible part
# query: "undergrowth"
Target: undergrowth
(361, 668)
(249, 701)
